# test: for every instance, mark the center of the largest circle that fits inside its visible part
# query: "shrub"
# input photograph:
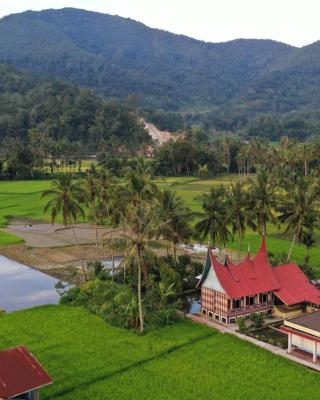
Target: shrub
(241, 321)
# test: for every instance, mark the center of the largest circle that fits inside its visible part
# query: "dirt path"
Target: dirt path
(41, 234)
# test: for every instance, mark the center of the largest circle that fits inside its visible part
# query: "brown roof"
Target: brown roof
(20, 372)
(310, 321)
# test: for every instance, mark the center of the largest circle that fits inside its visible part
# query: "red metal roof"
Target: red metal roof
(256, 275)
(295, 286)
(20, 372)
(250, 277)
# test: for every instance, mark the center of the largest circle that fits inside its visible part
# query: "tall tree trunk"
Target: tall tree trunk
(79, 254)
(112, 255)
(140, 294)
(291, 247)
(96, 229)
(239, 246)
(305, 167)
(174, 251)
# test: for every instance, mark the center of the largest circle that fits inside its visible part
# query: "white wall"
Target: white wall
(304, 344)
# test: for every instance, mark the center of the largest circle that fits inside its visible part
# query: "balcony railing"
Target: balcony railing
(250, 309)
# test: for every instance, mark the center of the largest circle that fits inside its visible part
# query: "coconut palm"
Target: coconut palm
(107, 185)
(262, 197)
(299, 209)
(238, 215)
(172, 210)
(65, 196)
(143, 226)
(212, 221)
(90, 195)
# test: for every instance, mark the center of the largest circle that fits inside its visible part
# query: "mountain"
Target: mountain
(63, 117)
(121, 57)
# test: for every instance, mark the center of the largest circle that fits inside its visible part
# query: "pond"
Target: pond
(23, 287)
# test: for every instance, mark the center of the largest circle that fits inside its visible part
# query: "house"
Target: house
(230, 290)
(304, 335)
(21, 375)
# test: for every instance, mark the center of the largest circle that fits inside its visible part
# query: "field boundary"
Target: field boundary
(273, 349)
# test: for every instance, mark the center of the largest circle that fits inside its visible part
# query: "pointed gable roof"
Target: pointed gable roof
(256, 275)
(248, 278)
(294, 286)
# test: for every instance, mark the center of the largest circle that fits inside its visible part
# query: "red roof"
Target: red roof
(248, 278)
(256, 275)
(295, 286)
(20, 373)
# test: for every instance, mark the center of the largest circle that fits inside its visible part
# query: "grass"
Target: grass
(23, 199)
(89, 359)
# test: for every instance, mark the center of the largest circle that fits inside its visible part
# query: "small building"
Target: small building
(304, 335)
(21, 375)
(230, 290)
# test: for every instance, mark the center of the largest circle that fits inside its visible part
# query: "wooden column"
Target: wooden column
(289, 342)
(314, 358)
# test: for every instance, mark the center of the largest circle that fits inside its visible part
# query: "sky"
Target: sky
(294, 22)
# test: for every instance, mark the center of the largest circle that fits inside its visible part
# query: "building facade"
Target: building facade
(230, 290)
(304, 335)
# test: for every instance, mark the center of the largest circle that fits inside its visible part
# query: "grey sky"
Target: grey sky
(295, 22)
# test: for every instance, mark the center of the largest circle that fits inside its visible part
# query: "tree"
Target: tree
(238, 215)
(90, 197)
(142, 230)
(212, 221)
(65, 200)
(172, 210)
(262, 196)
(299, 209)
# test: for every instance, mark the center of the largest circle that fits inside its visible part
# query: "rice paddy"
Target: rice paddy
(89, 359)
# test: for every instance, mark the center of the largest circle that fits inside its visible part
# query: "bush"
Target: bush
(241, 321)
(257, 320)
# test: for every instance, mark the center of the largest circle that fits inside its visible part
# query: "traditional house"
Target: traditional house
(230, 290)
(21, 375)
(304, 335)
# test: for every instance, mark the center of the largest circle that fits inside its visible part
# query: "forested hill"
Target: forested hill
(121, 57)
(52, 116)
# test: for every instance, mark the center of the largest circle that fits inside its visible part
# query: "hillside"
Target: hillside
(120, 57)
(52, 116)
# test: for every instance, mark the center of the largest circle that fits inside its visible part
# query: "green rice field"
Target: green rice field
(23, 199)
(89, 359)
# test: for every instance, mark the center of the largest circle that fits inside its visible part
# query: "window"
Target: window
(223, 320)
(232, 320)
(217, 317)
(250, 300)
(263, 297)
(210, 314)
(204, 312)
(236, 303)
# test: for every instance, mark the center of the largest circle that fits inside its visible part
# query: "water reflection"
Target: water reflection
(23, 287)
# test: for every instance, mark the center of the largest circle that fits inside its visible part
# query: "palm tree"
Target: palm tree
(172, 209)
(142, 230)
(213, 216)
(90, 196)
(107, 185)
(299, 209)
(65, 193)
(238, 215)
(262, 195)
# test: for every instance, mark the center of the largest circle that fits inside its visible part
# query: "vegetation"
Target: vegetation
(248, 86)
(88, 358)
(45, 122)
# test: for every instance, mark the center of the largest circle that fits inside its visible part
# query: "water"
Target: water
(23, 287)
(107, 262)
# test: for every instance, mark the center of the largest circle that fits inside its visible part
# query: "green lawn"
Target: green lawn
(89, 359)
